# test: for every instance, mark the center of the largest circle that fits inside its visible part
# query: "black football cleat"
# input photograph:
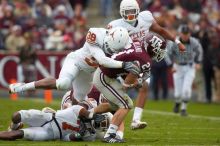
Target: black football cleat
(176, 108)
(112, 139)
(183, 113)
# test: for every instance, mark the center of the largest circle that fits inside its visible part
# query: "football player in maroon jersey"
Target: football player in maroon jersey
(105, 80)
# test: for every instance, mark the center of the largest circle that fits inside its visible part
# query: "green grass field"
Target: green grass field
(201, 127)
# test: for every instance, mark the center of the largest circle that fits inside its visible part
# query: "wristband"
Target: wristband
(177, 41)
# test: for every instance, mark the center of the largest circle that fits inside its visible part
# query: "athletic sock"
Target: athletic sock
(112, 129)
(183, 105)
(137, 114)
(120, 134)
(25, 87)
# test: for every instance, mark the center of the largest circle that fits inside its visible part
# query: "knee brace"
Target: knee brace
(63, 83)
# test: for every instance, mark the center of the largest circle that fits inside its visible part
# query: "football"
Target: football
(130, 80)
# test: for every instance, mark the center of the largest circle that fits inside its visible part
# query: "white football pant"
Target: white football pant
(183, 80)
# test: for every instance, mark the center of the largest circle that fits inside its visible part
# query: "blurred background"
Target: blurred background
(35, 36)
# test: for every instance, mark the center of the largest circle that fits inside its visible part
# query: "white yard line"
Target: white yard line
(190, 116)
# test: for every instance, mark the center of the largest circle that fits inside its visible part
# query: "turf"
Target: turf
(201, 127)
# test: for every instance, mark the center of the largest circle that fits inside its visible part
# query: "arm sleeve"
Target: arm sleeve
(103, 60)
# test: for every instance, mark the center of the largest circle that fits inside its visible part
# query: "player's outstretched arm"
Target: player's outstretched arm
(11, 135)
(102, 59)
(155, 27)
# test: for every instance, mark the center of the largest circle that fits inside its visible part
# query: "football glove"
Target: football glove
(132, 67)
(141, 80)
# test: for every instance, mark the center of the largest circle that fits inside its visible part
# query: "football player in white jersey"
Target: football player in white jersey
(65, 125)
(138, 25)
(77, 71)
(90, 104)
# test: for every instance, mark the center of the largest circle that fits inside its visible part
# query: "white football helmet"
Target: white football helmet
(129, 10)
(155, 46)
(102, 127)
(116, 40)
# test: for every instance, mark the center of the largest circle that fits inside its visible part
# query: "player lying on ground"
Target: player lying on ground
(77, 71)
(71, 124)
(138, 25)
(105, 79)
(91, 102)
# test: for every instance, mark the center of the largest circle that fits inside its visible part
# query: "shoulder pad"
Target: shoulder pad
(146, 16)
(95, 36)
(115, 23)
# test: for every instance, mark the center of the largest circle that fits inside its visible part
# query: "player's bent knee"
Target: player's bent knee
(63, 83)
(29, 135)
(130, 104)
(126, 104)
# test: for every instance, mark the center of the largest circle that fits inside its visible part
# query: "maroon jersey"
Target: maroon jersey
(134, 53)
(94, 93)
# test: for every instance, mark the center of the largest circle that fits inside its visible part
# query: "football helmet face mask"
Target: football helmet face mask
(155, 47)
(129, 10)
(103, 126)
(116, 40)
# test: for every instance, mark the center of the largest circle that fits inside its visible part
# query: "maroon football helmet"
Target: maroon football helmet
(155, 46)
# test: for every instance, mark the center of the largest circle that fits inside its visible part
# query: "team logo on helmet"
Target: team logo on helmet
(155, 46)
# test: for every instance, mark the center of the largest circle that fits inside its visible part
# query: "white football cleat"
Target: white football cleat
(12, 127)
(12, 87)
(138, 125)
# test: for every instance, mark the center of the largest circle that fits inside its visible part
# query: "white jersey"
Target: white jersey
(68, 120)
(43, 127)
(140, 30)
(93, 48)
(97, 34)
